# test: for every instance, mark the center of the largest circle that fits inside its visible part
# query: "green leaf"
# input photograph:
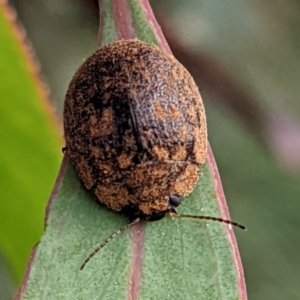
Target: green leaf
(29, 152)
(168, 259)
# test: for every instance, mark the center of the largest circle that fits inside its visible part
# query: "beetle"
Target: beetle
(135, 130)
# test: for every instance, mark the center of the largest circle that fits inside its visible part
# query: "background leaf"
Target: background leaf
(30, 143)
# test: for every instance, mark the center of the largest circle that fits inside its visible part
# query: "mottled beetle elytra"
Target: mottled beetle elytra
(135, 131)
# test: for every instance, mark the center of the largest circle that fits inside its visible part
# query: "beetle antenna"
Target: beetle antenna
(131, 224)
(175, 215)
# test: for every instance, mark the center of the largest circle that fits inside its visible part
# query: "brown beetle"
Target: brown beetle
(135, 130)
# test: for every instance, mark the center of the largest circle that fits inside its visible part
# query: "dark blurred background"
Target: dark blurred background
(244, 56)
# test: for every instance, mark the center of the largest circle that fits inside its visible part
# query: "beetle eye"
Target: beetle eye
(174, 200)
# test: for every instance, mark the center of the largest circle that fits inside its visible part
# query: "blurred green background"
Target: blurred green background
(245, 57)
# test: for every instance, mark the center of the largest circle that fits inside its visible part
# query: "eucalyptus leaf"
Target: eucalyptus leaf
(167, 259)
